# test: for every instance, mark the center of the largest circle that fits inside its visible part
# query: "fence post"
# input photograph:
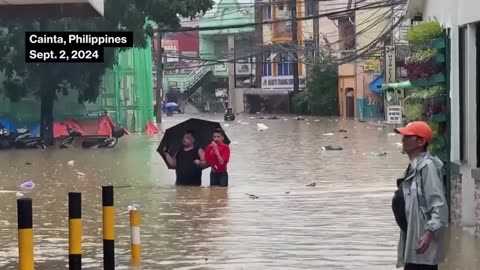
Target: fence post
(135, 236)
(25, 234)
(108, 228)
(75, 230)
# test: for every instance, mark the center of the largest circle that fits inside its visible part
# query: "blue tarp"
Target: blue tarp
(376, 85)
(34, 130)
(8, 124)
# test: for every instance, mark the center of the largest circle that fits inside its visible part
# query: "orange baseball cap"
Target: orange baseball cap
(417, 128)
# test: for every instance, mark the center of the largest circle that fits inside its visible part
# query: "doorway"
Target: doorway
(349, 102)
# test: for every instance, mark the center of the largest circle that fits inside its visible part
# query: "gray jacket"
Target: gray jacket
(426, 209)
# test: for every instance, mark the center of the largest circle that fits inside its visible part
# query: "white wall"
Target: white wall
(453, 12)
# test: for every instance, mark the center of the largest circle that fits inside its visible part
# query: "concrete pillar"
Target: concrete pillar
(468, 186)
(231, 73)
(454, 95)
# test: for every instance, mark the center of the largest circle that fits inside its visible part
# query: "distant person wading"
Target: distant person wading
(187, 162)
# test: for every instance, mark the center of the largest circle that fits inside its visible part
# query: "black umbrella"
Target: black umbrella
(202, 130)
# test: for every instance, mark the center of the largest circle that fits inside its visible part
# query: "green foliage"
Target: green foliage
(422, 56)
(320, 97)
(120, 15)
(413, 112)
(425, 93)
(424, 31)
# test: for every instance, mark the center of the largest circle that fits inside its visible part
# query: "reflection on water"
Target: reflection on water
(345, 222)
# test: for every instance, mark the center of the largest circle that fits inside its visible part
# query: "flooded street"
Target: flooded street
(345, 222)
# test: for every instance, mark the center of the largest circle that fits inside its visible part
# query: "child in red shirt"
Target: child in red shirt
(217, 156)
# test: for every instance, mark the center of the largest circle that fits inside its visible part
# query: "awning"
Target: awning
(399, 85)
(376, 85)
(271, 92)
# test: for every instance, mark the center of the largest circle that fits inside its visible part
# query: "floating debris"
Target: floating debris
(28, 163)
(328, 134)
(252, 196)
(378, 154)
(332, 148)
(27, 185)
(311, 184)
(226, 125)
(273, 118)
(392, 134)
(19, 195)
(261, 127)
(71, 163)
(342, 130)
(300, 118)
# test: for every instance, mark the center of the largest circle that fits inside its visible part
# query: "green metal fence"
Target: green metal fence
(127, 94)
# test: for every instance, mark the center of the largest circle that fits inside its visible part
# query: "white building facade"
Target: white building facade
(462, 19)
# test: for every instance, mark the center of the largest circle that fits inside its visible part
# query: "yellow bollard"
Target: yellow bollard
(75, 230)
(108, 228)
(25, 234)
(135, 236)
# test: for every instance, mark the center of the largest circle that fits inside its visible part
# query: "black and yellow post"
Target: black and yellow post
(25, 234)
(75, 230)
(108, 228)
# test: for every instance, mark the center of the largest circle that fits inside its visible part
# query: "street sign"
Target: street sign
(394, 115)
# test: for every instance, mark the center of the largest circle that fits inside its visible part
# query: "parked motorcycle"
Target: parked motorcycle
(21, 139)
(93, 142)
(24, 140)
(5, 138)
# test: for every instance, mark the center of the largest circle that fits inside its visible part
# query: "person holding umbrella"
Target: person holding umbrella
(187, 162)
(217, 155)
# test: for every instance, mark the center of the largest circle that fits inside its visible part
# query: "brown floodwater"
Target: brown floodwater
(345, 222)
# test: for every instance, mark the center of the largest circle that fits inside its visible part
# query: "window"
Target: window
(310, 8)
(284, 65)
(267, 64)
(280, 6)
(267, 12)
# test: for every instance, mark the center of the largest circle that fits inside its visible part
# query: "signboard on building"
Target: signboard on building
(220, 69)
(281, 82)
(390, 65)
(371, 65)
(394, 115)
(243, 69)
(171, 50)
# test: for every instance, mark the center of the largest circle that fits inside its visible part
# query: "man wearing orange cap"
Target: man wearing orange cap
(425, 210)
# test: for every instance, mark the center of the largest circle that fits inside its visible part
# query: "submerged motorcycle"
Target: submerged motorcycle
(21, 139)
(93, 142)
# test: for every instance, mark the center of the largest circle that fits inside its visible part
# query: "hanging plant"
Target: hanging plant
(413, 112)
(424, 31)
(423, 55)
(422, 70)
(426, 93)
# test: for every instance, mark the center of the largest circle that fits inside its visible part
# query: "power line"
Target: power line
(236, 26)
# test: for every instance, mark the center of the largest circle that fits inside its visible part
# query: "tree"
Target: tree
(49, 79)
(320, 96)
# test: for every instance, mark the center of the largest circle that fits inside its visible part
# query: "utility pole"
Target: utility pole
(296, 87)
(231, 74)
(159, 68)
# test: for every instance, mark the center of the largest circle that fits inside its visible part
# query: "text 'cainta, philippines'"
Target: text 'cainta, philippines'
(78, 39)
